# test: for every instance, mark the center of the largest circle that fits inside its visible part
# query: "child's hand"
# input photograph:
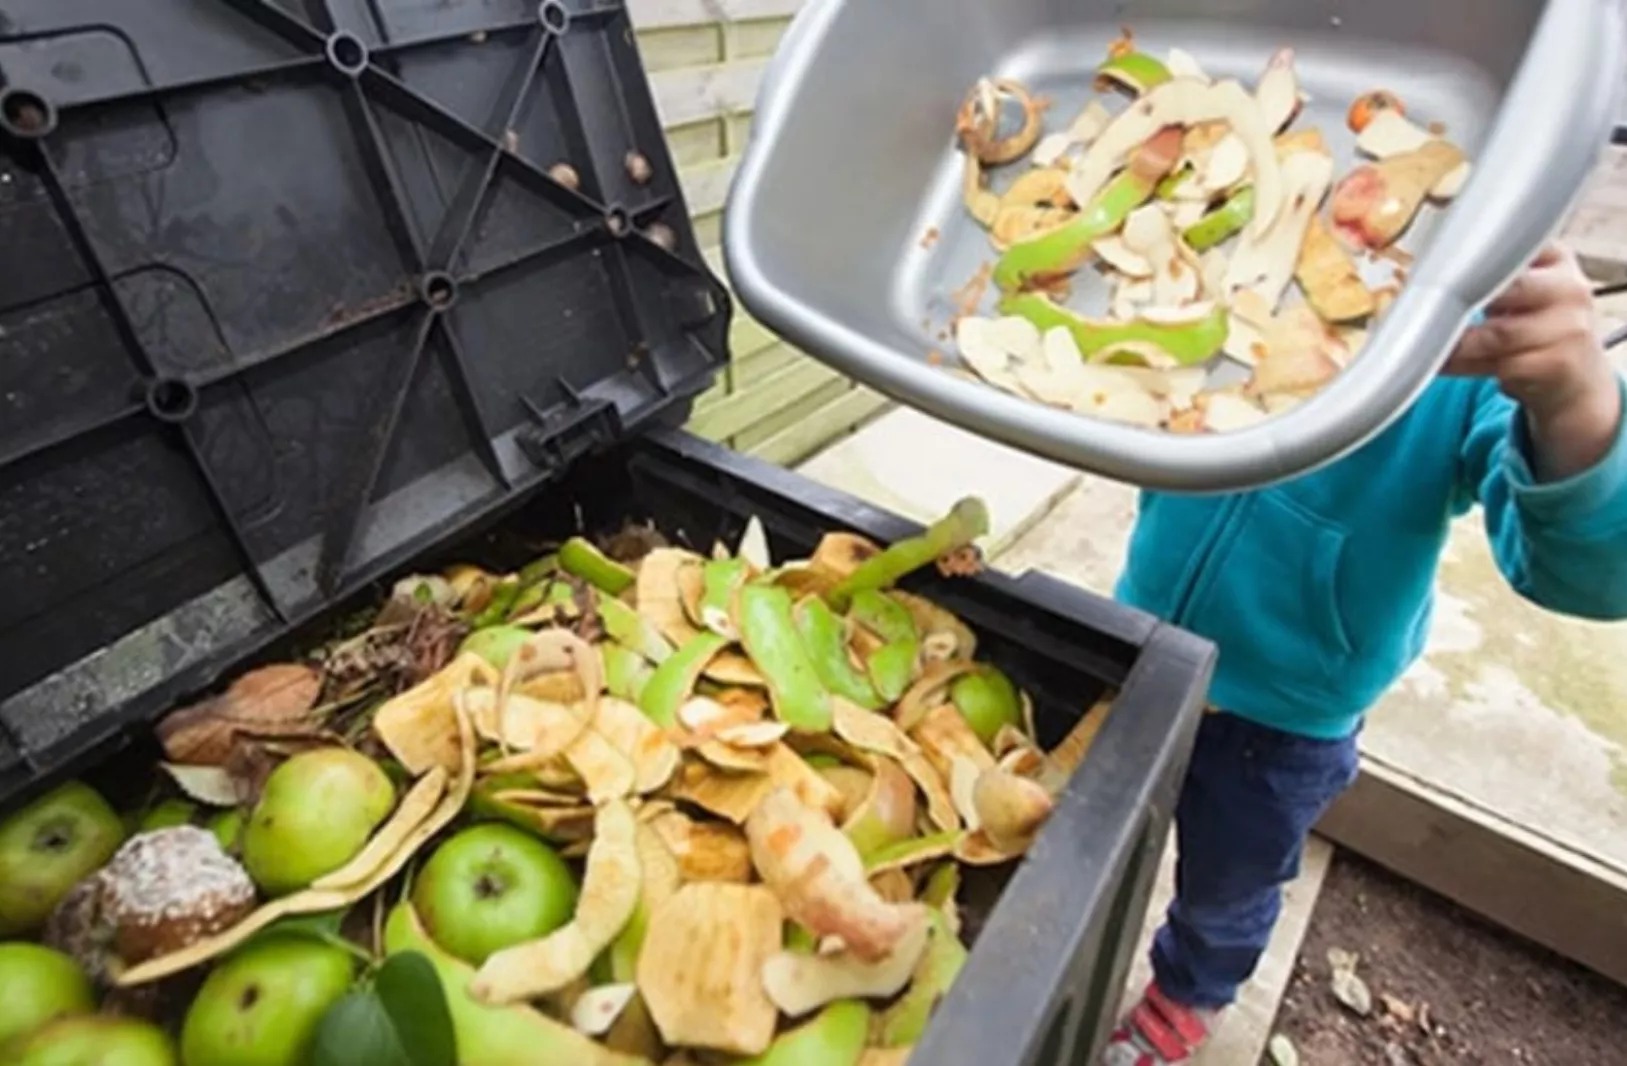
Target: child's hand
(1540, 340)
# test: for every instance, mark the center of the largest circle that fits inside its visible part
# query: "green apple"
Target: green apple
(515, 1035)
(97, 1040)
(228, 829)
(987, 699)
(261, 1007)
(47, 847)
(496, 644)
(39, 985)
(316, 812)
(167, 815)
(491, 886)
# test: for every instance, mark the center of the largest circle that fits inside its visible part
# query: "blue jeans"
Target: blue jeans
(1249, 801)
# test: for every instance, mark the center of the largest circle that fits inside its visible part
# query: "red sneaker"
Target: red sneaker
(1158, 1032)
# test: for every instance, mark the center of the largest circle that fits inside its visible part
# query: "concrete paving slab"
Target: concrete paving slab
(1246, 1028)
(918, 467)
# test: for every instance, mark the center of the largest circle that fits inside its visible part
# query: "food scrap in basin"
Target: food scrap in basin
(650, 806)
(1235, 257)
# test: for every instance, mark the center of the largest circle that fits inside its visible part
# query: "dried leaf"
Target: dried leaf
(271, 701)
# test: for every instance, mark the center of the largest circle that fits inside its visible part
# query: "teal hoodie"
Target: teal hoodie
(1318, 591)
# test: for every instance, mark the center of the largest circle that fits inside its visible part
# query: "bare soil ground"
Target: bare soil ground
(1447, 988)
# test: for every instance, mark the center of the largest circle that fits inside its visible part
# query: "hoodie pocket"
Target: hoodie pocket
(1275, 592)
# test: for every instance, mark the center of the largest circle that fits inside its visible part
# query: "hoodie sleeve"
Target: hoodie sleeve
(1561, 544)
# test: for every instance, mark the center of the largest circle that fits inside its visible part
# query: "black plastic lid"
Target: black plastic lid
(290, 291)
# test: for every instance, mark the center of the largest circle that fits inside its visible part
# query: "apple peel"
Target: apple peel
(1010, 809)
(610, 891)
(700, 972)
(819, 878)
(419, 726)
(596, 1010)
(799, 983)
(654, 757)
(1186, 102)
(874, 733)
(659, 592)
(704, 851)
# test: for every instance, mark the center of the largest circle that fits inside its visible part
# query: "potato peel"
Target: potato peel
(819, 878)
(799, 983)
(610, 891)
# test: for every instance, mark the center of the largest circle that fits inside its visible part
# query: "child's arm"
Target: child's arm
(1552, 472)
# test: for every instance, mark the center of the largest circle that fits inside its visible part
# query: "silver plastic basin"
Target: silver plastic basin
(852, 162)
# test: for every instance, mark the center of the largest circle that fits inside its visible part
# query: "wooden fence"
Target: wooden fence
(705, 58)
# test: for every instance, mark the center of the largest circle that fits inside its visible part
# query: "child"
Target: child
(1318, 593)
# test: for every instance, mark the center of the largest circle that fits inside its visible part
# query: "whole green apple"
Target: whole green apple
(97, 1040)
(46, 847)
(261, 1007)
(37, 986)
(228, 829)
(492, 886)
(315, 814)
(167, 815)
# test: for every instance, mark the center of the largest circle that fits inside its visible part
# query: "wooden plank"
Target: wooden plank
(1537, 887)
(650, 14)
(706, 185)
(759, 37)
(817, 429)
(696, 142)
(743, 409)
(691, 94)
(785, 415)
(747, 337)
(687, 46)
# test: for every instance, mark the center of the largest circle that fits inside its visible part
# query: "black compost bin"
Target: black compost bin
(295, 294)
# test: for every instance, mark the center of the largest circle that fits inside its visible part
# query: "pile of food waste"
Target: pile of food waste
(631, 804)
(1200, 203)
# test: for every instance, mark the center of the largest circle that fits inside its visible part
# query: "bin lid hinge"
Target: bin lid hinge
(561, 435)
